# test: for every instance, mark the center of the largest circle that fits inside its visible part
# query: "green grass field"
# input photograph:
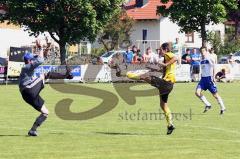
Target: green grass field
(108, 136)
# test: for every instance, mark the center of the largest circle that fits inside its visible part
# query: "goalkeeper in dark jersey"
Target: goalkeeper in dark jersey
(31, 87)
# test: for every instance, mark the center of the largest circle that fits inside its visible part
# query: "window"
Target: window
(145, 2)
(144, 35)
(141, 3)
(189, 37)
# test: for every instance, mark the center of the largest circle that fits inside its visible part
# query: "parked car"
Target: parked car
(107, 57)
(223, 60)
(235, 57)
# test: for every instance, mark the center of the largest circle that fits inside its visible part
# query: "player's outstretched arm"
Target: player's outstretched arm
(39, 46)
(38, 58)
(43, 53)
(46, 51)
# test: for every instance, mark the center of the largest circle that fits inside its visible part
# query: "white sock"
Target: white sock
(220, 102)
(205, 101)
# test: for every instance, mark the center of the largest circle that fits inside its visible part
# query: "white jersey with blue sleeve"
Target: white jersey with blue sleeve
(207, 70)
(207, 66)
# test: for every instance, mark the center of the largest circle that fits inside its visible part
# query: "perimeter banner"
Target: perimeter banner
(14, 68)
(43, 69)
(2, 71)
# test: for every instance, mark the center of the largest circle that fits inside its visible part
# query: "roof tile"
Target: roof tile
(146, 12)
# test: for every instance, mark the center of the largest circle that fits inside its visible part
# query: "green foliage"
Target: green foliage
(230, 31)
(226, 47)
(230, 46)
(98, 51)
(67, 21)
(216, 42)
(234, 15)
(194, 15)
(79, 60)
(117, 31)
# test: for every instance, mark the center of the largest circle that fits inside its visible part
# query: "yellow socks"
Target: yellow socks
(132, 75)
(168, 116)
(136, 74)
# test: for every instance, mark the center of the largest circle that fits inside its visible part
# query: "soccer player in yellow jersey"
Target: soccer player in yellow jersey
(165, 84)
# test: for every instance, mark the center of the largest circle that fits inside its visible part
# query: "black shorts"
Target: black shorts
(195, 69)
(30, 94)
(164, 98)
(163, 86)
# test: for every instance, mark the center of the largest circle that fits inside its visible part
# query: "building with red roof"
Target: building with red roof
(152, 29)
(144, 9)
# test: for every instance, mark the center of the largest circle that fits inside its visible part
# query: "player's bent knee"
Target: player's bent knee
(198, 94)
(44, 110)
(216, 95)
(45, 113)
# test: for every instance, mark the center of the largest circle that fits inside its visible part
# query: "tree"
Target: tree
(234, 15)
(216, 42)
(194, 15)
(117, 31)
(67, 21)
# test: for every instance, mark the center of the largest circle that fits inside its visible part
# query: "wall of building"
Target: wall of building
(167, 31)
(153, 33)
(14, 38)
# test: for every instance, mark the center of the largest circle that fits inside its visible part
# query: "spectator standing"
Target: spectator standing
(186, 58)
(147, 55)
(137, 58)
(213, 55)
(134, 49)
(195, 65)
(150, 56)
(128, 56)
(177, 50)
(99, 61)
(230, 59)
(232, 65)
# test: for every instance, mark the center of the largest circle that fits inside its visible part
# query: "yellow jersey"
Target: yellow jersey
(169, 71)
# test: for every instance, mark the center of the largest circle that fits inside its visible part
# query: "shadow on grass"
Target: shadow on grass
(122, 134)
(12, 135)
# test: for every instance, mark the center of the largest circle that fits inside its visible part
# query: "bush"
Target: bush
(97, 51)
(229, 45)
(215, 40)
(80, 60)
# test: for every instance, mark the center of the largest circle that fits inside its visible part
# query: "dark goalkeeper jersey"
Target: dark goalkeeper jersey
(27, 72)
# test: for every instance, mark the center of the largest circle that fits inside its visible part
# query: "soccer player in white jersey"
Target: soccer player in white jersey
(207, 81)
